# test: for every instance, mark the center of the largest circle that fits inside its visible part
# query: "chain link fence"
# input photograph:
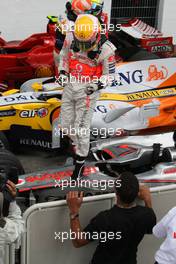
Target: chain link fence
(146, 10)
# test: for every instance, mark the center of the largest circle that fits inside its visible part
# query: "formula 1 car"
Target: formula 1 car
(152, 165)
(141, 101)
(139, 34)
(32, 118)
(30, 58)
(145, 86)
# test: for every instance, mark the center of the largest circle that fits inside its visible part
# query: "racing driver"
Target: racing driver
(73, 9)
(86, 65)
(97, 10)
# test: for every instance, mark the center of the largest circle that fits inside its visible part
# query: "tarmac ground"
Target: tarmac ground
(38, 159)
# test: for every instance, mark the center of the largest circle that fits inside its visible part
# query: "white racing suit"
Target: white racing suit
(12, 229)
(62, 28)
(77, 107)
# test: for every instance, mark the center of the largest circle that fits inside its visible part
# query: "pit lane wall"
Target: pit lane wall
(166, 18)
(45, 221)
(30, 17)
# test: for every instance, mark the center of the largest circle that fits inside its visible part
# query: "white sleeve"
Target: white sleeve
(14, 225)
(63, 63)
(109, 64)
(160, 229)
(109, 70)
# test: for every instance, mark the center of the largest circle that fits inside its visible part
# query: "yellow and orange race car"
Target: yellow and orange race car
(141, 103)
(142, 100)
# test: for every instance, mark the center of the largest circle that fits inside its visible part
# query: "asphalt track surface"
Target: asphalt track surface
(37, 159)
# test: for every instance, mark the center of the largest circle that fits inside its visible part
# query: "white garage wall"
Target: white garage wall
(21, 18)
(167, 17)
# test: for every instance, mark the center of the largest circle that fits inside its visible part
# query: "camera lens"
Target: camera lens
(3, 180)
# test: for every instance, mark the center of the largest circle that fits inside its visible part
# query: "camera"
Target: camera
(3, 180)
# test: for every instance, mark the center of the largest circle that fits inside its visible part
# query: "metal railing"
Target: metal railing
(9, 254)
(43, 221)
(146, 10)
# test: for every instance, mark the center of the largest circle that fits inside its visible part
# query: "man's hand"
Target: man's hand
(144, 194)
(12, 188)
(74, 201)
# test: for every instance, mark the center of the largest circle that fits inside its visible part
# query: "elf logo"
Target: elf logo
(42, 112)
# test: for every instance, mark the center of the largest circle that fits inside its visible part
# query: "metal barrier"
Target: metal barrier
(7, 252)
(146, 10)
(39, 245)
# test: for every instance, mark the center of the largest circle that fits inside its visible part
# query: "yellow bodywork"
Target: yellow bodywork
(27, 114)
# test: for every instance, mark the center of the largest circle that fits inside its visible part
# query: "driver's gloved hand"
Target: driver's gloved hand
(93, 87)
(63, 79)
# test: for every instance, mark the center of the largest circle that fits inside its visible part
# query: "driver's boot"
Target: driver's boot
(79, 166)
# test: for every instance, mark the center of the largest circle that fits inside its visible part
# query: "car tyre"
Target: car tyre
(4, 143)
(10, 164)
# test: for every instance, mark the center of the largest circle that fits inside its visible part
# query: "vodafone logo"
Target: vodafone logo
(79, 67)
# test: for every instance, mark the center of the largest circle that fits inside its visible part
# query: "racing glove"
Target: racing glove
(63, 79)
(93, 87)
